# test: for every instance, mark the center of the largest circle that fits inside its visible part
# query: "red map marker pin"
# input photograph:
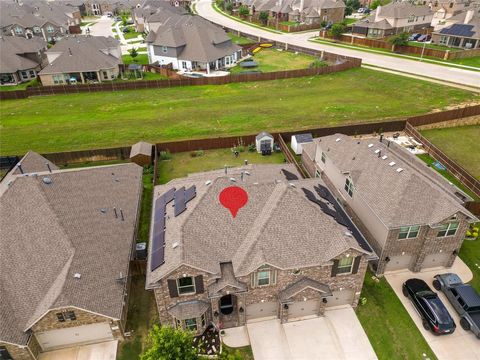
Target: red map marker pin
(233, 198)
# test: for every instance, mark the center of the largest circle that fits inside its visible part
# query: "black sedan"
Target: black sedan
(434, 314)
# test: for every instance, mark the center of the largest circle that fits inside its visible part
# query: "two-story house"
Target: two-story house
(394, 18)
(192, 44)
(67, 241)
(460, 31)
(413, 217)
(251, 244)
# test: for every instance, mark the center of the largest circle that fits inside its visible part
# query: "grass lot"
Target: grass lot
(146, 209)
(432, 46)
(21, 86)
(183, 164)
(139, 59)
(460, 144)
(132, 34)
(270, 60)
(142, 314)
(388, 325)
(109, 119)
(349, 21)
(239, 40)
(244, 353)
(470, 254)
(473, 61)
(91, 163)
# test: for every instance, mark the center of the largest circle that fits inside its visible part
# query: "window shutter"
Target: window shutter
(334, 268)
(199, 284)
(356, 264)
(254, 279)
(172, 288)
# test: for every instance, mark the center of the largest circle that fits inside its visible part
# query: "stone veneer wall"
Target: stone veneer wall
(18, 352)
(265, 293)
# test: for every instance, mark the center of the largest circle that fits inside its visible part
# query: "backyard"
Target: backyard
(182, 164)
(460, 144)
(239, 40)
(109, 119)
(271, 59)
(388, 325)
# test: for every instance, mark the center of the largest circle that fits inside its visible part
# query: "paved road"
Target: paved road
(439, 72)
(102, 27)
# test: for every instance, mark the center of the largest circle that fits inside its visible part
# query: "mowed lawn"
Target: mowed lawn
(110, 119)
(461, 144)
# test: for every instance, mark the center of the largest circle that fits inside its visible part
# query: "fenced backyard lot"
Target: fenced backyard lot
(461, 144)
(110, 119)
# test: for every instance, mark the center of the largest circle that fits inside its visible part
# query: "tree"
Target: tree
(133, 53)
(337, 30)
(348, 10)
(400, 39)
(220, 4)
(229, 7)
(377, 3)
(124, 19)
(230, 355)
(243, 11)
(263, 17)
(167, 343)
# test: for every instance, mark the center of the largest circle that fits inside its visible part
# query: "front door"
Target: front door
(226, 304)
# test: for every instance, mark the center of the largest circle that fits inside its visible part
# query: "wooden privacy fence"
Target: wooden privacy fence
(433, 118)
(458, 171)
(290, 158)
(69, 157)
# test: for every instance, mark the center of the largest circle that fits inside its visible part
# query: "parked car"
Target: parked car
(360, 10)
(118, 18)
(463, 298)
(414, 37)
(126, 30)
(435, 316)
(424, 38)
(367, 11)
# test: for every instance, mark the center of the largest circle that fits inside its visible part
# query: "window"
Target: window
(451, 5)
(66, 315)
(184, 64)
(443, 40)
(324, 157)
(32, 73)
(4, 355)
(264, 276)
(345, 265)
(349, 187)
(191, 324)
(18, 30)
(449, 229)
(50, 29)
(317, 173)
(58, 79)
(409, 232)
(164, 49)
(24, 75)
(178, 323)
(105, 75)
(204, 320)
(185, 285)
(411, 18)
(60, 317)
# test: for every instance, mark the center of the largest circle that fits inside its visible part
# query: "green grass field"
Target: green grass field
(239, 40)
(109, 119)
(460, 144)
(139, 59)
(473, 61)
(270, 60)
(388, 325)
(183, 164)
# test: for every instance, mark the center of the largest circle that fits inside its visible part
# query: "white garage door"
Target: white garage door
(435, 260)
(55, 339)
(303, 308)
(344, 297)
(399, 262)
(261, 310)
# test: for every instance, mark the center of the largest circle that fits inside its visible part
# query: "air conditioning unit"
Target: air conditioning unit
(141, 251)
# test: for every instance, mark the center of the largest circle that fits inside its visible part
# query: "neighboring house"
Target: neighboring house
(394, 18)
(287, 253)
(445, 9)
(66, 245)
(411, 215)
(51, 21)
(302, 11)
(297, 141)
(20, 59)
(460, 31)
(192, 44)
(81, 60)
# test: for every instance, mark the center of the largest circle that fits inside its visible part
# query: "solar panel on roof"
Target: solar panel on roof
(158, 241)
(159, 226)
(289, 176)
(190, 193)
(179, 201)
(459, 30)
(160, 202)
(169, 195)
(157, 259)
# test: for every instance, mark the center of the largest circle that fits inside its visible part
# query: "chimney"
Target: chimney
(48, 166)
(377, 13)
(469, 16)
(20, 167)
(115, 212)
(302, 5)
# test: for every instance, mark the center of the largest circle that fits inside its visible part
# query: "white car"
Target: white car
(361, 10)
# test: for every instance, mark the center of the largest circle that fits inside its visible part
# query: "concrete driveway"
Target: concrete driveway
(461, 345)
(337, 335)
(102, 27)
(102, 351)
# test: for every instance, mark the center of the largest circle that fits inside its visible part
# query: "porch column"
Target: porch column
(81, 77)
(208, 67)
(99, 78)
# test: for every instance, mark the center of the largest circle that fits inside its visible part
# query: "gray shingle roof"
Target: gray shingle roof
(277, 226)
(33, 162)
(302, 284)
(12, 49)
(82, 53)
(263, 134)
(415, 195)
(188, 309)
(52, 231)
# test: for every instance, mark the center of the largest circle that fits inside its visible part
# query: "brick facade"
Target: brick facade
(255, 295)
(18, 352)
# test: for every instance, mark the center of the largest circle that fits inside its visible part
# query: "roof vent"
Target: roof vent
(384, 157)
(77, 275)
(47, 180)
(370, 145)
(247, 173)
(399, 170)
(208, 182)
(391, 163)
(175, 245)
(292, 184)
(337, 139)
(348, 233)
(377, 151)
(103, 210)
(233, 179)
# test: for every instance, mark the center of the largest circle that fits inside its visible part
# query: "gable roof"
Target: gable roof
(12, 49)
(301, 285)
(403, 9)
(414, 196)
(263, 134)
(33, 162)
(277, 226)
(141, 148)
(54, 229)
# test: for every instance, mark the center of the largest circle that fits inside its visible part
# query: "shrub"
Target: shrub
(337, 30)
(220, 4)
(263, 17)
(252, 148)
(243, 11)
(323, 24)
(400, 39)
(229, 7)
(167, 343)
(317, 63)
(165, 155)
(197, 153)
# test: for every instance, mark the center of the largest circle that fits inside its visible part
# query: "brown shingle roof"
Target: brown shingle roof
(54, 229)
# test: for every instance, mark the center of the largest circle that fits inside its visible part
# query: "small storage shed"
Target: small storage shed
(298, 140)
(264, 143)
(141, 153)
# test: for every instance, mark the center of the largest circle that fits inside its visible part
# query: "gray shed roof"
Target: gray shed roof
(277, 226)
(303, 138)
(141, 148)
(54, 230)
(263, 134)
(415, 195)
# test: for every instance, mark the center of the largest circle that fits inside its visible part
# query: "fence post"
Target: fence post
(447, 55)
